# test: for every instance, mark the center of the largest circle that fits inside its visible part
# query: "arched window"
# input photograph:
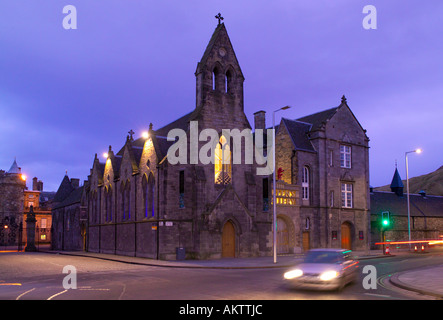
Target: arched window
(151, 195)
(145, 195)
(122, 202)
(148, 187)
(94, 211)
(222, 162)
(128, 200)
(305, 183)
(228, 82)
(215, 73)
(110, 203)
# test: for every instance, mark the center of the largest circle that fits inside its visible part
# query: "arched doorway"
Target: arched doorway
(346, 238)
(228, 240)
(282, 236)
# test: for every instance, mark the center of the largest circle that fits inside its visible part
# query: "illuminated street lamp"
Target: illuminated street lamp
(274, 222)
(407, 191)
(145, 135)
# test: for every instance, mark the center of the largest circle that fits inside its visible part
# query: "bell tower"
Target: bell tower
(219, 79)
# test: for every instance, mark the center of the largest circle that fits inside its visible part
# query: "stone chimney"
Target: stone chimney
(260, 120)
(37, 185)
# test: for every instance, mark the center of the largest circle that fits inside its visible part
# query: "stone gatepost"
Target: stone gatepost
(30, 231)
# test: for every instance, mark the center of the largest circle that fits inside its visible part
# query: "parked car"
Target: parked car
(326, 269)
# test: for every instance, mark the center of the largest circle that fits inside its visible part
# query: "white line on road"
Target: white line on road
(24, 293)
(57, 294)
(378, 295)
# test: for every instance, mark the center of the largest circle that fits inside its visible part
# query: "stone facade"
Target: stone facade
(12, 185)
(144, 200)
(140, 204)
(43, 216)
(320, 155)
(69, 216)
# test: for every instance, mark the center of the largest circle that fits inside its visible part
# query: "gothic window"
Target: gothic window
(123, 202)
(148, 196)
(110, 202)
(222, 162)
(345, 156)
(151, 195)
(181, 187)
(95, 207)
(128, 200)
(228, 82)
(265, 194)
(305, 183)
(215, 74)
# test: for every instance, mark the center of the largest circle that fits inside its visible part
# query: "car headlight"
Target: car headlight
(293, 274)
(329, 275)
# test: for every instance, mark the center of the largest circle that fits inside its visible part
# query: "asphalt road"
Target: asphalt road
(39, 276)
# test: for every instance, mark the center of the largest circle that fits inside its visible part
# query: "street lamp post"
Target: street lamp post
(407, 192)
(274, 220)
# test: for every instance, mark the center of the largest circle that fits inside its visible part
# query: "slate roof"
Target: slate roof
(73, 197)
(298, 132)
(14, 168)
(428, 206)
(320, 118)
(64, 190)
(396, 180)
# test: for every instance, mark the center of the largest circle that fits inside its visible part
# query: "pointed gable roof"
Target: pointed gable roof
(396, 180)
(14, 168)
(220, 33)
(64, 190)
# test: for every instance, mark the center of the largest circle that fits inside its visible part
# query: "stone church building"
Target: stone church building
(140, 203)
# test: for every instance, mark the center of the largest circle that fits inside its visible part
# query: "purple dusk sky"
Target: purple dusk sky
(68, 94)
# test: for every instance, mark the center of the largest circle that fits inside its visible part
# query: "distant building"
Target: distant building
(69, 216)
(41, 202)
(426, 214)
(12, 185)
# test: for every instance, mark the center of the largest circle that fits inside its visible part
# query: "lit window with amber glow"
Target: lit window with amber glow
(222, 162)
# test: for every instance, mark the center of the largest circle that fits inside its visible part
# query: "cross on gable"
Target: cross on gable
(219, 17)
(130, 134)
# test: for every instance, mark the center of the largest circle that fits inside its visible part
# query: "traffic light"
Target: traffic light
(385, 219)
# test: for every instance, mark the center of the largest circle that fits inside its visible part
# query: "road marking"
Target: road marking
(24, 294)
(378, 295)
(57, 294)
(92, 289)
(10, 284)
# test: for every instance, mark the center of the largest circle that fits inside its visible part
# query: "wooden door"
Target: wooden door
(306, 241)
(282, 237)
(346, 236)
(228, 240)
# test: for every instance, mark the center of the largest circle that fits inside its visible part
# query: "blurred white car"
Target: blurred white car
(324, 269)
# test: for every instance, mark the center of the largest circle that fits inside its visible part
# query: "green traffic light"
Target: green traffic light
(385, 222)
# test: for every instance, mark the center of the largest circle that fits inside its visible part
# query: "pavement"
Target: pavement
(427, 280)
